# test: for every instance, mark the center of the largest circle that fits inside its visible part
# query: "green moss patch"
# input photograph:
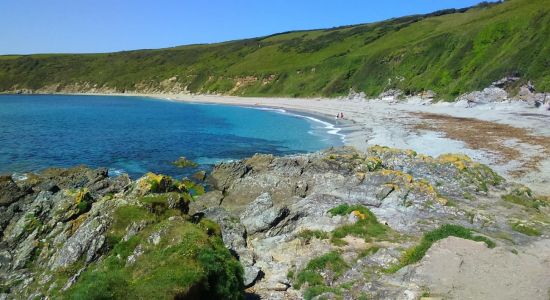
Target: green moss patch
(186, 263)
(308, 235)
(524, 197)
(366, 227)
(525, 229)
(315, 284)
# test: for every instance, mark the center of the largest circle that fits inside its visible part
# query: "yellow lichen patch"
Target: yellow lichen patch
(153, 177)
(398, 174)
(77, 223)
(378, 148)
(81, 195)
(425, 187)
(442, 201)
(373, 163)
(360, 175)
(459, 160)
(424, 158)
(393, 186)
(410, 152)
(359, 215)
(383, 149)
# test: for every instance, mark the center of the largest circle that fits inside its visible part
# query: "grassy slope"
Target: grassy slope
(450, 54)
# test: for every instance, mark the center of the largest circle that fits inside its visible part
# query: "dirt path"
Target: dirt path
(461, 269)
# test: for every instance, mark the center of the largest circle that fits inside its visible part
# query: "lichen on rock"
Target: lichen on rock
(325, 224)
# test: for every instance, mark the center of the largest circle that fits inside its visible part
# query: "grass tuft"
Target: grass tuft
(416, 253)
(366, 227)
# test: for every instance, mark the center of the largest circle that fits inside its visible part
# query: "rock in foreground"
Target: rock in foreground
(337, 224)
(78, 234)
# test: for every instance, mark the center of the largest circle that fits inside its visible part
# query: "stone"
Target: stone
(251, 273)
(134, 229)
(274, 217)
(487, 95)
(9, 191)
(88, 240)
(261, 215)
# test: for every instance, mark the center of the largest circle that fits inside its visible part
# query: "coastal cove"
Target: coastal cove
(136, 135)
(511, 137)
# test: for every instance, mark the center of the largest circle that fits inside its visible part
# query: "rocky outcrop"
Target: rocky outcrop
(499, 91)
(330, 224)
(487, 95)
(62, 226)
(284, 204)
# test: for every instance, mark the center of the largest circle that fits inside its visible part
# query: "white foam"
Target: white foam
(115, 172)
(19, 176)
(328, 127)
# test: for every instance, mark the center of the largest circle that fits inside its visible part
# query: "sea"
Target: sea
(136, 135)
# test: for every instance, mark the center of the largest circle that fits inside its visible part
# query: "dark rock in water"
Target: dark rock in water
(183, 162)
(200, 175)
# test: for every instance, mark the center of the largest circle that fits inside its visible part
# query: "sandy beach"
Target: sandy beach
(512, 138)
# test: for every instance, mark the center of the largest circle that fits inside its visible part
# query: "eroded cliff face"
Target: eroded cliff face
(335, 224)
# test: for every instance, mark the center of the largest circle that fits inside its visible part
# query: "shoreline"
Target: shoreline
(432, 129)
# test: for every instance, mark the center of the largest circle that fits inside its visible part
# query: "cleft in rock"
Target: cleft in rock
(261, 215)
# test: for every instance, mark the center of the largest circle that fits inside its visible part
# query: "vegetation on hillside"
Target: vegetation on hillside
(450, 52)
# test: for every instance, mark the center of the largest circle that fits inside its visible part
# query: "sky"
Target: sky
(85, 26)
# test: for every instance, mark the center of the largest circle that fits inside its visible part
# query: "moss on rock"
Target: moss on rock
(183, 260)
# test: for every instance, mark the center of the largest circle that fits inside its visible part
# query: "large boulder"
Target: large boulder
(9, 191)
(261, 214)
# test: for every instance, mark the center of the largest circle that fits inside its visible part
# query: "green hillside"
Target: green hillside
(450, 52)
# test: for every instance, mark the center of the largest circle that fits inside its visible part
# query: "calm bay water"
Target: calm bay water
(137, 135)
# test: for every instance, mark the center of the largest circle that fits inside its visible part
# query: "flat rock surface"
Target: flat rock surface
(455, 268)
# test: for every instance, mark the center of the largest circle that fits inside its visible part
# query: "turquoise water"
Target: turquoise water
(136, 135)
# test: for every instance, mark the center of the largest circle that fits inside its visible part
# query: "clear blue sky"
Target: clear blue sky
(46, 26)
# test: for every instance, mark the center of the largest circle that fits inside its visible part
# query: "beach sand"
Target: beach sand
(511, 138)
